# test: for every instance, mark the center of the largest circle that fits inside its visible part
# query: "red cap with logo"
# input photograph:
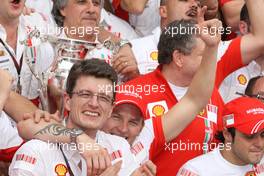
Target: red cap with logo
(245, 114)
(123, 96)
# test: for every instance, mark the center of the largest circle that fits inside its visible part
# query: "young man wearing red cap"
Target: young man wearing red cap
(243, 139)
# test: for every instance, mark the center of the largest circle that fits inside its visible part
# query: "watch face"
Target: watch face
(76, 131)
(109, 45)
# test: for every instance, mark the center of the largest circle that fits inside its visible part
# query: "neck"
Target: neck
(9, 24)
(174, 75)
(260, 62)
(229, 156)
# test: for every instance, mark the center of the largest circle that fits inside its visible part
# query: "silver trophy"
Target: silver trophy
(66, 53)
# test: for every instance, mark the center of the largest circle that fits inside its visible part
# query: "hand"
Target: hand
(39, 114)
(124, 63)
(28, 11)
(6, 81)
(210, 32)
(146, 169)
(96, 157)
(112, 170)
(201, 13)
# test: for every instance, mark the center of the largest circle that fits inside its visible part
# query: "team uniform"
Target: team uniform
(28, 82)
(117, 26)
(147, 55)
(238, 81)
(205, 165)
(162, 95)
(10, 140)
(38, 158)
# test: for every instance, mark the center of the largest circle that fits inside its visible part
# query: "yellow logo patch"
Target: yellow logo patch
(61, 170)
(154, 55)
(158, 110)
(242, 79)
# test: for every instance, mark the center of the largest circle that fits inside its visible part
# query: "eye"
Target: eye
(85, 94)
(133, 123)
(115, 117)
(81, 1)
(96, 2)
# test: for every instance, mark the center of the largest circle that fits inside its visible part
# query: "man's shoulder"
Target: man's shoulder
(112, 139)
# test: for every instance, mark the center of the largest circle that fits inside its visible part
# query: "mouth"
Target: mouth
(91, 114)
(15, 1)
(192, 13)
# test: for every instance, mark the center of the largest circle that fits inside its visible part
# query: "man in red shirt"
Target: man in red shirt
(162, 88)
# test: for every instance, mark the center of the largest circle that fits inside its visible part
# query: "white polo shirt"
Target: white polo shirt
(238, 81)
(44, 55)
(38, 158)
(9, 137)
(146, 22)
(214, 164)
(141, 145)
(117, 26)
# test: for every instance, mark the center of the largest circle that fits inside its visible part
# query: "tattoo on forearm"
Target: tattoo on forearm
(54, 129)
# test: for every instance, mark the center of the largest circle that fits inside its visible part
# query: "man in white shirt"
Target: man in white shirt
(14, 28)
(89, 103)
(242, 148)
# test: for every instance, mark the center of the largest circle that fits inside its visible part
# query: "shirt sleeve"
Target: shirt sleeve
(27, 161)
(222, 2)
(230, 61)
(159, 138)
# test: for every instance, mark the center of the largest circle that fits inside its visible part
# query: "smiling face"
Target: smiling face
(11, 9)
(126, 121)
(248, 149)
(82, 13)
(90, 105)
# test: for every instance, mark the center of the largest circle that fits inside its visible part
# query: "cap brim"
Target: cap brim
(252, 127)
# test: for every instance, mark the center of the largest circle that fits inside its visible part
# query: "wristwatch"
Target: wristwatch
(74, 133)
(116, 46)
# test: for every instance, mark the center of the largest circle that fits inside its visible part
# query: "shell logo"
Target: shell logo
(251, 173)
(154, 55)
(61, 170)
(158, 110)
(242, 79)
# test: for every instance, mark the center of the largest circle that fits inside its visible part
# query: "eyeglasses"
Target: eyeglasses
(102, 99)
(259, 95)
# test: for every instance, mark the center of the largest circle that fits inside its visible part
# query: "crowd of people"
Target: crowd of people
(173, 87)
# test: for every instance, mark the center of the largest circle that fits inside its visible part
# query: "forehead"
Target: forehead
(91, 83)
(129, 111)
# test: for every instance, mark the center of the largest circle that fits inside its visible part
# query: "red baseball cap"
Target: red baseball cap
(123, 97)
(245, 114)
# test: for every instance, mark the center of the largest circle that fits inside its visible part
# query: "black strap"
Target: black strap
(67, 163)
(18, 66)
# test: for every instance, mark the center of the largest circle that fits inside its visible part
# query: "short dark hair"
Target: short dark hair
(244, 15)
(219, 135)
(183, 42)
(91, 67)
(251, 84)
(162, 2)
(57, 6)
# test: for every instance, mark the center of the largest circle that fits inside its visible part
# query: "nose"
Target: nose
(194, 4)
(259, 141)
(93, 102)
(90, 7)
(123, 128)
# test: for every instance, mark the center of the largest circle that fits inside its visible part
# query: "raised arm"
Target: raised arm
(252, 44)
(198, 94)
(134, 6)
